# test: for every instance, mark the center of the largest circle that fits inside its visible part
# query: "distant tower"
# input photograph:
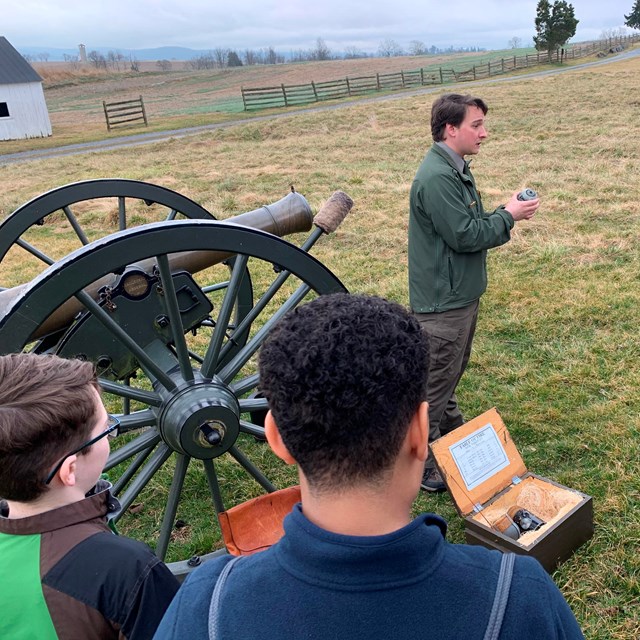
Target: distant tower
(83, 52)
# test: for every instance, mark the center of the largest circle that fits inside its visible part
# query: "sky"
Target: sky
(288, 25)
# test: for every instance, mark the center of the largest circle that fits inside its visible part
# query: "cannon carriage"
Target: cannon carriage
(172, 313)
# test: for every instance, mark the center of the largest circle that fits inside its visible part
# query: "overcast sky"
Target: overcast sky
(287, 24)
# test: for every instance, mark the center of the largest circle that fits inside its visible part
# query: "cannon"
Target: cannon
(172, 313)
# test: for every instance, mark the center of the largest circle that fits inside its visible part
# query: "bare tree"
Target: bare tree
(607, 34)
(43, 57)
(268, 55)
(250, 56)
(417, 48)
(515, 43)
(321, 51)
(221, 56)
(114, 59)
(134, 63)
(205, 61)
(353, 52)
(72, 61)
(97, 60)
(299, 55)
(271, 57)
(389, 48)
(164, 65)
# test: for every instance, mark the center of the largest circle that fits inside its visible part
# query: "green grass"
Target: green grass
(230, 105)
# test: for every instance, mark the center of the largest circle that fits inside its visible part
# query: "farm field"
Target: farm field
(185, 91)
(185, 98)
(557, 345)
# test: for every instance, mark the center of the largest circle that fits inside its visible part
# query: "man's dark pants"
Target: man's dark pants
(450, 338)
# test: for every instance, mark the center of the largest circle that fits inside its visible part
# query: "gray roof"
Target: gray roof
(14, 69)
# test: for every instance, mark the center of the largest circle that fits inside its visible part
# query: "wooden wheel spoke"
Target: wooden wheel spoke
(34, 251)
(219, 332)
(175, 319)
(82, 236)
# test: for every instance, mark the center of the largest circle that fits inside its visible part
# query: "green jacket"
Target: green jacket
(449, 234)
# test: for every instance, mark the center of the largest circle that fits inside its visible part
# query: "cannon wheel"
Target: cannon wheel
(134, 201)
(172, 206)
(183, 393)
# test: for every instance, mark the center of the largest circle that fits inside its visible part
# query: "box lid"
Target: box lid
(478, 460)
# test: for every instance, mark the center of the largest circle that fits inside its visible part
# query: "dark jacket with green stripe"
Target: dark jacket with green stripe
(449, 234)
(64, 574)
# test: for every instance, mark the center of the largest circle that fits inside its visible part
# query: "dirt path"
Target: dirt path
(150, 138)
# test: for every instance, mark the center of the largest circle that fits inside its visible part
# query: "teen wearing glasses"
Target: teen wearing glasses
(64, 572)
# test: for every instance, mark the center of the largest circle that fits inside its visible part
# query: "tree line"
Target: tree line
(220, 57)
(111, 60)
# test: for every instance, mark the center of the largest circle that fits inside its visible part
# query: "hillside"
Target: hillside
(181, 92)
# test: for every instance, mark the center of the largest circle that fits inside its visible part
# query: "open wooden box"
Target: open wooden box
(486, 476)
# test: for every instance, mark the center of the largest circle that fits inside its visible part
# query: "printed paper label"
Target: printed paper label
(479, 456)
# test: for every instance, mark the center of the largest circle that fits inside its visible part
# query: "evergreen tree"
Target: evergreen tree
(233, 60)
(633, 19)
(555, 25)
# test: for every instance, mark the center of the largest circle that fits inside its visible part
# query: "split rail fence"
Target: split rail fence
(300, 94)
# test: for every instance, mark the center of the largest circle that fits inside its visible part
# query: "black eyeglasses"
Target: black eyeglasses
(111, 431)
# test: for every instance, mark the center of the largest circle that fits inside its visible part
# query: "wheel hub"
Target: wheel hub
(201, 420)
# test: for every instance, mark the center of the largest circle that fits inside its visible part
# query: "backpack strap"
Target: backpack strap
(214, 607)
(502, 596)
(493, 627)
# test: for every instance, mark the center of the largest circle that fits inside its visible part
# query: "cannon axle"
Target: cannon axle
(201, 420)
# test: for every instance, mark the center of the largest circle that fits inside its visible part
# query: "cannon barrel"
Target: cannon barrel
(291, 214)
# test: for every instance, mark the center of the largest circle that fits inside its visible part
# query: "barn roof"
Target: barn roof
(14, 69)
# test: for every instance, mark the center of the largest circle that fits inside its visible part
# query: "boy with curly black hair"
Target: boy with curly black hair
(345, 379)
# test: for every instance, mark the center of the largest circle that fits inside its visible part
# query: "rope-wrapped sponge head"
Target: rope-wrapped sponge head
(333, 212)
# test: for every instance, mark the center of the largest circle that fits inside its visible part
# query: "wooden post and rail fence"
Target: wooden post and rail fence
(124, 113)
(300, 94)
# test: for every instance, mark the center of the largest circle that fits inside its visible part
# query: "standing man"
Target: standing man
(449, 234)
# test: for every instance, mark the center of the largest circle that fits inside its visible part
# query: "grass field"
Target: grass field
(185, 98)
(557, 345)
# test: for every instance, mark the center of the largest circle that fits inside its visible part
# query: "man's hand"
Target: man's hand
(522, 209)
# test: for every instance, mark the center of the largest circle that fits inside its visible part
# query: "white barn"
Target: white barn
(23, 110)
